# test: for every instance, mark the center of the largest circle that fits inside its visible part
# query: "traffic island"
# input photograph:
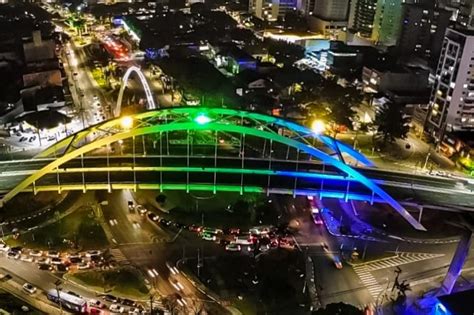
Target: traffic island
(79, 230)
(125, 282)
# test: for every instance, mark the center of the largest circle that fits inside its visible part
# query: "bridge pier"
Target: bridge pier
(459, 258)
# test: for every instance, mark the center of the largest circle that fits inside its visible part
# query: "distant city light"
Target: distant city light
(202, 119)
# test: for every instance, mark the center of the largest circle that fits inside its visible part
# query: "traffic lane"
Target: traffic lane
(125, 228)
(337, 285)
(44, 280)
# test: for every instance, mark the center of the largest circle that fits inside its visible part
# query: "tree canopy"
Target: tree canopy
(391, 122)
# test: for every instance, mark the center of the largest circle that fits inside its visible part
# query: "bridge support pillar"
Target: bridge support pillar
(459, 258)
(420, 214)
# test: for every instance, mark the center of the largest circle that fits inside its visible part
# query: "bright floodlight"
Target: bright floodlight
(318, 126)
(202, 119)
(126, 122)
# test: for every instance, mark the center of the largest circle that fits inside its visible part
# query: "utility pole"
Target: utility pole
(57, 284)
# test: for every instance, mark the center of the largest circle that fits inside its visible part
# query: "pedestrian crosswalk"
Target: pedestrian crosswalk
(399, 259)
(118, 255)
(368, 280)
(364, 270)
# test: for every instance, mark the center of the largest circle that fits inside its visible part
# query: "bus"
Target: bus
(68, 301)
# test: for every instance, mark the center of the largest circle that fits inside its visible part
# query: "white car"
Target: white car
(26, 258)
(4, 247)
(135, 311)
(141, 209)
(83, 266)
(90, 253)
(53, 254)
(115, 308)
(95, 303)
(36, 253)
(28, 287)
(232, 247)
(13, 255)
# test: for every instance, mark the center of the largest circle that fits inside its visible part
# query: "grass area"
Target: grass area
(99, 78)
(125, 282)
(195, 207)
(80, 229)
(28, 203)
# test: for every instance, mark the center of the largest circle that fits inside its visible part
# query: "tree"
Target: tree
(392, 122)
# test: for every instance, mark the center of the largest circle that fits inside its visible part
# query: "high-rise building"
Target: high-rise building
(271, 10)
(331, 10)
(422, 31)
(387, 22)
(329, 17)
(462, 11)
(361, 17)
(452, 101)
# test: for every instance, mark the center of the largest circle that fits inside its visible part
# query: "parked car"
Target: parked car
(337, 262)
(115, 308)
(26, 258)
(36, 253)
(128, 302)
(43, 266)
(96, 303)
(56, 261)
(13, 254)
(28, 287)
(111, 298)
(90, 253)
(53, 254)
(4, 247)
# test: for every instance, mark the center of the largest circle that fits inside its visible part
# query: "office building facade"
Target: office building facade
(452, 102)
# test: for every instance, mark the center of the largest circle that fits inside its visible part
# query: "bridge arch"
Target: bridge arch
(190, 124)
(149, 96)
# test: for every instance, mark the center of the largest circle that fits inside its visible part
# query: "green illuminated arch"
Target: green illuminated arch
(190, 124)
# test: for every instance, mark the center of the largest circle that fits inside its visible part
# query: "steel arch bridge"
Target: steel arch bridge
(215, 121)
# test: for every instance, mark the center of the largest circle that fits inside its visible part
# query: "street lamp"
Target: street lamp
(126, 122)
(318, 126)
(202, 119)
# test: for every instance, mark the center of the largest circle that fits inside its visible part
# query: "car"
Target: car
(165, 222)
(141, 209)
(91, 253)
(61, 268)
(75, 260)
(53, 254)
(36, 253)
(316, 215)
(45, 267)
(234, 231)
(13, 254)
(177, 285)
(232, 247)
(337, 262)
(96, 98)
(43, 260)
(263, 248)
(128, 302)
(96, 303)
(83, 265)
(56, 261)
(115, 308)
(4, 247)
(26, 258)
(136, 311)
(74, 74)
(195, 228)
(74, 255)
(94, 310)
(111, 298)
(208, 237)
(28, 287)
(23, 139)
(131, 205)
(153, 217)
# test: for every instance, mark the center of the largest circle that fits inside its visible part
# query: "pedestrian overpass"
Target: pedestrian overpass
(213, 149)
